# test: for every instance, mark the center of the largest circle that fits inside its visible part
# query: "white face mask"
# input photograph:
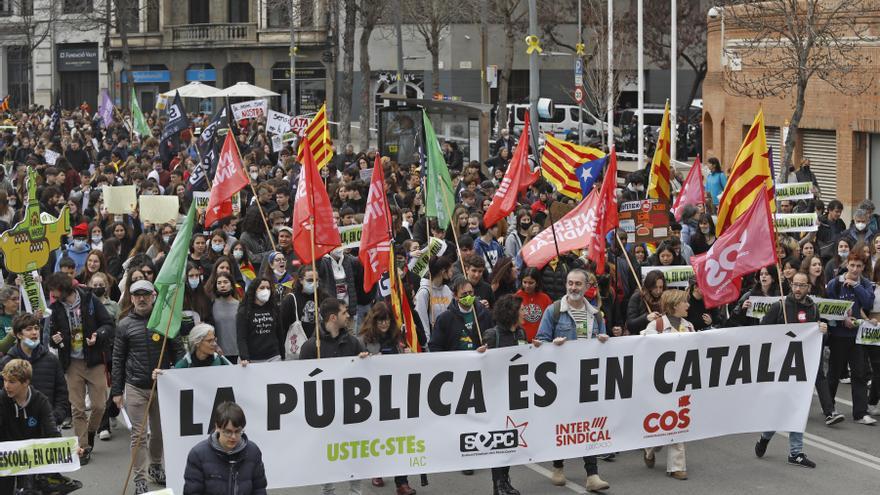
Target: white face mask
(238, 255)
(97, 239)
(263, 295)
(308, 287)
(254, 175)
(861, 225)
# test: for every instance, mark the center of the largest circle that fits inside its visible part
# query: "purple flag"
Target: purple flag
(105, 109)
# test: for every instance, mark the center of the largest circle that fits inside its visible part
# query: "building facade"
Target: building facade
(839, 134)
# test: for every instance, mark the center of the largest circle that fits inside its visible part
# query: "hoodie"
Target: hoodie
(78, 255)
(32, 420)
(47, 377)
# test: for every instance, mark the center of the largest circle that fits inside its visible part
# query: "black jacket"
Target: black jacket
(34, 420)
(796, 312)
(95, 319)
(345, 344)
(47, 377)
(210, 470)
(136, 354)
(553, 281)
(253, 340)
(450, 326)
(501, 337)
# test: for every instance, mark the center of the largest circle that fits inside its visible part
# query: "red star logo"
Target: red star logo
(521, 428)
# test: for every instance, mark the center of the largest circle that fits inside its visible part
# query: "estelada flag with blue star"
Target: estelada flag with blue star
(588, 172)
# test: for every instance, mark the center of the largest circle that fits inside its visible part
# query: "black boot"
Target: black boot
(502, 487)
(91, 439)
(510, 490)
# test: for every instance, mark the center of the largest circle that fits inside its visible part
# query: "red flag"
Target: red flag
(691, 191)
(607, 213)
(573, 231)
(312, 208)
(518, 177)
(376, 239)
(744, 247)
(228, 180)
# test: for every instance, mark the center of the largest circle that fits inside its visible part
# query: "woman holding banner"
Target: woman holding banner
(767, 285)
(637, 314)
(674, 304)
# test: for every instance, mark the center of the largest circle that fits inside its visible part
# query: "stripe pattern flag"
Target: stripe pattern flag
(439, 199)
(318, 135)
(559, 163)
(400, 305)
(170, 282)
(658, 184)
(749, 176)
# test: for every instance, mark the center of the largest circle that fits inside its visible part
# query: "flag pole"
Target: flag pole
(461, 261)
(256, 198)
(315, 273)
(778, 264)
(140, 436)
(633, 271)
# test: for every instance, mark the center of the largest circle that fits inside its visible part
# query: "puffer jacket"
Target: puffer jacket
(47, 377)
(210, 470)
(136, 352)
(95, 320)
(449, 329)
(327, 282)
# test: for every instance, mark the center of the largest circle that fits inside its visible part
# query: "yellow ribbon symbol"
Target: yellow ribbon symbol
(580, 48)
(534, 44)
(294, 51)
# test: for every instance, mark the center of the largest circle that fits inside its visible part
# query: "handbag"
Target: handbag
(295, 337)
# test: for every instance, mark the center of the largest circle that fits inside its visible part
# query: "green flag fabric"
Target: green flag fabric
(140, 123)
(440, 200)
(171, 281)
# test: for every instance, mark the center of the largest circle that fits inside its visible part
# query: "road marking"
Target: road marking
(839, 450)
(548, 474)
(842, 401)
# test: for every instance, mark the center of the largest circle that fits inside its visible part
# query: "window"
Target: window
(130, 15)
(77, 6)
(238, 10)
(27, 7)
(278, 14)
(199, 12)
(5, 8)
(18, 67)
(152, 16)
(306, 14)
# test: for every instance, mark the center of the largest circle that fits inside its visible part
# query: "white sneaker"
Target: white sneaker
(866, 420)
(874, 410)
(845, 380)
(104, 435)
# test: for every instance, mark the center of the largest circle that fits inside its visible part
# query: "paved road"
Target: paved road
(848, 458)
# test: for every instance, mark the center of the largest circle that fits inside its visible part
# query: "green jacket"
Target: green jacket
(186, 361)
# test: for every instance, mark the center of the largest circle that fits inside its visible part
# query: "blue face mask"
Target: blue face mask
(193, 282)
(31, 344)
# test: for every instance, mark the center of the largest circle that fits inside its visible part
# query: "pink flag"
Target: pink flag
(691, 192)
(573, 231)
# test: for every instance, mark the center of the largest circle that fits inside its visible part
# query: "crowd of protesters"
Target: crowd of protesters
(247, 293)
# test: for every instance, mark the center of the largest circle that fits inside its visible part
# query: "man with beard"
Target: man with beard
(572, 318)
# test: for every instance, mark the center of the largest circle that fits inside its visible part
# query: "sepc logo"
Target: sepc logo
(659, 423)
(487, 442)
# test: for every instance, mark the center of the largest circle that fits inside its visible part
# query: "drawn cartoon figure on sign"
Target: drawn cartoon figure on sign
(27, 245)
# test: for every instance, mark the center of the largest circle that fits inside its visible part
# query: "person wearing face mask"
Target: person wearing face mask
(77, 249)
(635, 187)
(571, 318)
(517, 236)
(299, 304)
(240, 254)
(337, 274)
(196, 303)
(258, 324)
(858, 231)
(844, 245)
(637, 314)
(459, 327)
(99, 284)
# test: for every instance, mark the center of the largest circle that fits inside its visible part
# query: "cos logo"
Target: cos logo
(670, 420)
(717, 268)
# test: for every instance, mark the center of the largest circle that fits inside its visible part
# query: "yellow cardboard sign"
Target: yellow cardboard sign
(120, 200)
(159, 209)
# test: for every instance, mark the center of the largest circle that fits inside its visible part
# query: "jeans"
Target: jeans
(844, 350)
(591, 465)
(795, 441)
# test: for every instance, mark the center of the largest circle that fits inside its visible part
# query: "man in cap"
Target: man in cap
(136, 353)
(77, 249)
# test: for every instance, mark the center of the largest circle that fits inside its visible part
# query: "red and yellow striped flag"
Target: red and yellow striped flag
(559, 162)
(4, 105)
(658, 185)
(319, 136)
(400, 306)
(749, 177)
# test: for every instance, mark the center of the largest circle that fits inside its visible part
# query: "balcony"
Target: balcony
(213, 35)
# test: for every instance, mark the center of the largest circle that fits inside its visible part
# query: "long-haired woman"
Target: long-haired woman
(258, 324)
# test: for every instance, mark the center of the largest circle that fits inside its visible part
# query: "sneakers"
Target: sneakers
(56, 484)
(595, 483)
(845, 380)
(866, 420)
(156, 473)
(140, 487)
(607, 457)
(874, 410)
(761, 447)
(404, 489)
(649, 460)
(679, 475)
(834, 418)
(558, 476)
(801, 460)
(105, 435)
(67, 423)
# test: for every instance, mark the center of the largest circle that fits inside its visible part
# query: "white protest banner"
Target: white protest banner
(676, 276)
(419, 264)
(794, 190)
(760, 305)
(201, 199)
(277, 143)
(120, 199)
(39, 455)
(32, 294)
(351, 235)
(796, 222)
(51, 157)
(832, 309)
(251, 109)
(299, 125)
(159, 209)
(353, 418)
(277, 122)
(868, 334)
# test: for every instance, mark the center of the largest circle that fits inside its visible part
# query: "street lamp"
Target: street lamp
(715, 13)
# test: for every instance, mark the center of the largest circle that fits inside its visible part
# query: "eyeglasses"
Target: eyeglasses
(800, 285)
(232, 433)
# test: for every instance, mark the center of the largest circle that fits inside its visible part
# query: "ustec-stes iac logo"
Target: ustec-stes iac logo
(494, 442)
(669, 422)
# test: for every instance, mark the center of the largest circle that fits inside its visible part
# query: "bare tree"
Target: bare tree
(783, 44)
(512, 16)
(31, 23)
(691, 40)
(370, 12)
(349, 9)
(429, 19)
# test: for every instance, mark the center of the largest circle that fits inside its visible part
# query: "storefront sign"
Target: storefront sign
(77, 58)
(201, 75)
(147, 76)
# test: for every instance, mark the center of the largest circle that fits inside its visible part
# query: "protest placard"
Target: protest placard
(120, 200)
(796, 222)
(794, 191)
(251, 109)
(39, 455)
(351, 235)
(832, 309)
(868, 334)
(159, 209)
(277, 122)
(32, 294)
(419, 264)
(676, 276)
(760, 305)
(645, 221)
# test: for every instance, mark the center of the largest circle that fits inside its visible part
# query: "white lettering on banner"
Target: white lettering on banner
(568, 229)
(354, 418)
(715, 276)
(250, 109)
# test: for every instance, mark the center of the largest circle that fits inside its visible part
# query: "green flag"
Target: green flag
(140, 123)
(171, 280)
(440, 200)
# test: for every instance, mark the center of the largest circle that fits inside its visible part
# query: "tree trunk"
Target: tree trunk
(366, 94)
(345, 90)
(122, 29)
(332, 71)
(504, 80)
(434, 50)
(792, 131)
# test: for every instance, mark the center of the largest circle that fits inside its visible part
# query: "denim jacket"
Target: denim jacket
(565, 326)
